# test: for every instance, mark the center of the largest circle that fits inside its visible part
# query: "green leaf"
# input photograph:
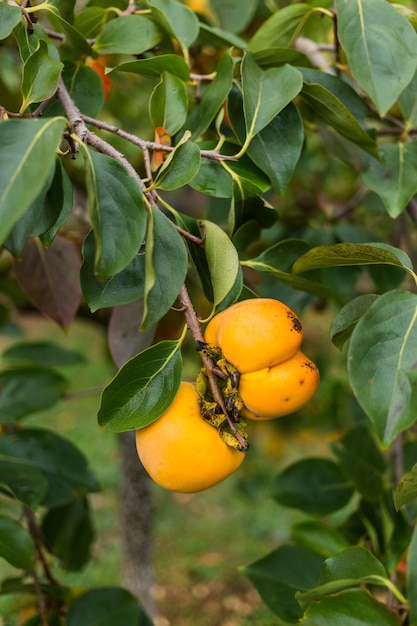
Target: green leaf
(315, 486)
(412, 576)
(277, 262)
(59, 460)
(105, 606)
(168, 105)
(222, 259)
(176, 19)
(317, 536)
(348, 316)
(28, 44)
(362, 461)
(10, 16)
(408, 102)
(355, 607)
(381, 363)
(280, 574)
(128, 34)
(274, 57)
(121, 288)
(58, 202)
(28, 389)
(197, 253)
(248, 205)
(16, 544)
(344, 254)
(166, 265)
(406, 489)
(44, 353)
(380, 46)
(222, 37)
(339, 105)
(27, 154)
(85, 88)
(212, 99)
(266, 93)
(143, 389)
(40, 76)
(234, 15)
(22, 481)
(393, 178)
(73, 38)
(155, 66)
(180, 166)
(117, 211)
(281, 28)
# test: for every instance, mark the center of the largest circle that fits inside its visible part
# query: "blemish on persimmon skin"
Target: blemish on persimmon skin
(296, 324)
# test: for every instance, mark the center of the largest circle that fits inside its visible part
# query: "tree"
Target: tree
(294, 126)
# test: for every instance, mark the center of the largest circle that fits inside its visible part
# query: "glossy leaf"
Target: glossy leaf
(381, 363)
(348, 316)
(393, 178)
(212, 99)
(180, 166)
(104, 606)
(128, 34)
(355, 607)
(153, 67)
(118, 214)
(176, 19)
(10, 16)
(315, 486)
(125, 340)
(16, 544)
(44, 353)
(266, 92)
(121, 288)
(40, 76)
(281, 28)
(28, 45)
(380, 45)
(59, 460)
(22, 481)
(166, 265)
(280, 574)
(406, 488)
(168, 105)
(319, 537)
(27, 154)
(143, 389)
(50, 278)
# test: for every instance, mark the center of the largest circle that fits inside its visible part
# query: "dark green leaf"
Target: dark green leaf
(63, 465)
(143, 389)
(234, 15)
(316, 486)
(27, 154)
(22, 481)
(280, 574)
(274, 57)
(166, 265)
(73, 38)
(382, 363)
(40, 76)
(281, 28)
(412, 576)
(59, 203)
(347, 318)
(85, 88)
(106, 606)
(197, 253)
(121, 288)
(180, 166)
(248, 205)
(317, 536)
(10, 16)
(26, 389)
(222, 37)
(408, 101)
(406, 489)
(45, 353)
(155, 66)
(176, 19)
(128, 34)
(118, 214)
(16, 544)
(380, 46)
(168, 104)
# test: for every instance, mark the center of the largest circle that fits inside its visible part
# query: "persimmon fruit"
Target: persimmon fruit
(181, 451)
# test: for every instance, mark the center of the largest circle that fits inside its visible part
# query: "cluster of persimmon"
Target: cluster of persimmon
(255, 346)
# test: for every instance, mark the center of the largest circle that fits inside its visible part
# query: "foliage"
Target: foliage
(292, 127)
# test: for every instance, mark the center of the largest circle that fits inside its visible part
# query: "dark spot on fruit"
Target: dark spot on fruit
(301, 382)
(310, 365)
(286, 399)
(296, 324)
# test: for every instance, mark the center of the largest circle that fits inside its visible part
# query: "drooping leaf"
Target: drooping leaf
(16, 544)
(176, 19)
(143, 389)
(380, 47)
(125, 340)
(59, 460)
(393, 178)
(118, 214)
(281, 28)
(128, 34)
(22, 481)
(347, 318)
(166, 265)
(40, 76)
(153, 67)
(105, 606)
(180, 166)
(10, 16)
(27, 154)
(168, 104)
(315, 485)
(50, 278)
(381, 363)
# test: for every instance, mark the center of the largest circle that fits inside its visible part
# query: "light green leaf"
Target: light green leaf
(177, 19)
(168, 104)
(223, 260)
(27, 154)
(406, 489)
(180, 166)
(281, 28)
(143, 389)
(234, 15)
(223, 37)
(16, 544)
(381, 363)
(155, 66)
(380, 45)
(394, 177)
(319, 537)
(128, 34)
(40, 76)
(10, 16)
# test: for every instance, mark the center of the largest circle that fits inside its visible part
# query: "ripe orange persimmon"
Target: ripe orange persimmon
(181, 451)
(261, 338)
